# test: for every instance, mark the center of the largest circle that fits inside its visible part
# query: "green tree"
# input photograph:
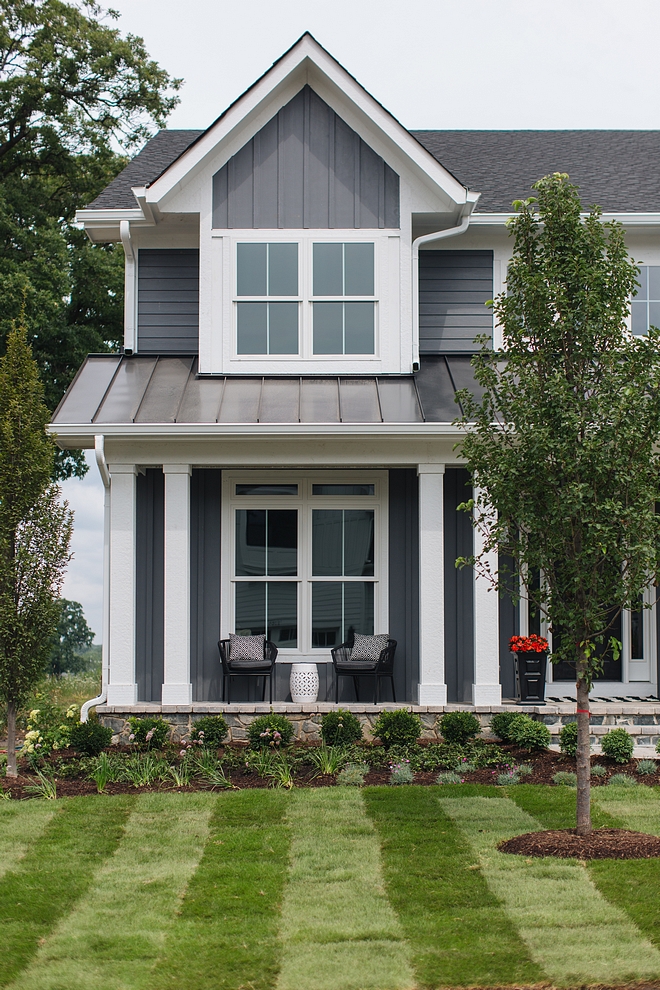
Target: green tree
(70, 641)
(562, 447)
(75, 97)
(35, 532)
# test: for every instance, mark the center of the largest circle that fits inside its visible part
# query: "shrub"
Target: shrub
(149, 733)
(646, 767)
(270, 731)
(500, 723)
(353, 775)
(568, 739)
(398, 728)
(622, 780)
(91, 737)
(401, 773)
(529, 734)
(340, 728)
(48, 728)
(598, 771)
(566, 778)
(209, 731)
(618, 745)
(448, 778)
(458, 727)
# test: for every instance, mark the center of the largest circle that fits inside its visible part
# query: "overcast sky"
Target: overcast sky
(432, 63)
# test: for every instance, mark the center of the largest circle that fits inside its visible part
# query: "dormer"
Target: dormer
(280, 240)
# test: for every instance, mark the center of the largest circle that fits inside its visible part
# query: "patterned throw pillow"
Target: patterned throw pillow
(250, 648)
(368, 647)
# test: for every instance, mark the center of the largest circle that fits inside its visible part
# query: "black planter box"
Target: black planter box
(530, 677)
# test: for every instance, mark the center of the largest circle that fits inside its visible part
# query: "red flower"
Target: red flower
(528, 644)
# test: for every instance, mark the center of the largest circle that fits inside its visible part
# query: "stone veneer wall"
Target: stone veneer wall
(642, 721)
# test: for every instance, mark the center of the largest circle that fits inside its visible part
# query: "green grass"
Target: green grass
(21, 822)
(458, 933)
(226, 935)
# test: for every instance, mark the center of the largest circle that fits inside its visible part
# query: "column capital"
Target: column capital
(177, 469)
(115, 468)
(430, 469)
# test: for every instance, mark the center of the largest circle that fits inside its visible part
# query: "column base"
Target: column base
(177, 694)
(122, 694)
(484, 695)
(432, 694)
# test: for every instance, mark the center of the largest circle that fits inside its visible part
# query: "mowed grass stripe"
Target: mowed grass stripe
(226, 934)
(339, 931)
(55, 872)
(574, 934)
(115, 934)
(21, 822)
(458, 933)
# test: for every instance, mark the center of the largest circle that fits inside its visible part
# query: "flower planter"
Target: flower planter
(530, 677)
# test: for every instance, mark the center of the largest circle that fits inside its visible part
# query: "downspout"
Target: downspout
(459, 228)
(130, 268)
(99, 450)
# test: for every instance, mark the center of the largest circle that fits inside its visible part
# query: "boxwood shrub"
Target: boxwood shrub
(270, 731)
(568, 739)
(149, 733)
(398, 728)
(90, 738)
(500, 723)
(618, 745)
(529, 734)
(340, 728)
(210, 731)
(458, 727)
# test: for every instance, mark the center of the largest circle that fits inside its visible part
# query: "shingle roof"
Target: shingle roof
(618, 170)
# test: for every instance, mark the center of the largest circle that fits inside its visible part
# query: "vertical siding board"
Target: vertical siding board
(168, 300)
(306, 168)
(459, 590)
(509, 626)
(150, 584)
(453, 289)
(404, 580)
(205, 497)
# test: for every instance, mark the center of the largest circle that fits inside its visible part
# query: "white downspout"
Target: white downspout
(459, 228)
(130, 292)
(99, 450)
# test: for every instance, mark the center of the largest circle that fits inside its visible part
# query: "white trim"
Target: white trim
(130, 286)
(486, 689)
(177, 688)
(432, 685)
(122, 687)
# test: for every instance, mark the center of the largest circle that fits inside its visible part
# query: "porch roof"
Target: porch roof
(117, 389)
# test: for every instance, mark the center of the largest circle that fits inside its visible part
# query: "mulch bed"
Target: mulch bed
(602, 843)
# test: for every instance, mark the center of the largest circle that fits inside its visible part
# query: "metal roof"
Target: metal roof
(116, 389)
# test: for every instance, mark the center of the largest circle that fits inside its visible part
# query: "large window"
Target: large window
(308, 558)
(645, 307)
(267, 270)
(345, 270)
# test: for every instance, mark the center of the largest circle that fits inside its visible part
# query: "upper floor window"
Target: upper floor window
(645, 307)
(345, 270)
(262, 271)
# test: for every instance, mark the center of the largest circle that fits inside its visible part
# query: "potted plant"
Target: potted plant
(530, 654)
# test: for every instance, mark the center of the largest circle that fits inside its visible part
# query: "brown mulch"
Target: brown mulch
(602, 843)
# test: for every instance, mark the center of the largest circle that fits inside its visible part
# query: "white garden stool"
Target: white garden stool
(304, 683)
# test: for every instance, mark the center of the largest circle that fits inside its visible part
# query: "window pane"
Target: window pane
(358, 609)
(282, 541)
(250, 542)
(637, 634)
(327, 540)
(642, 278)
(358, 542)
(326, 614)
(251, 269)
(342, 489)
(282, 269)
(328, 270)
(252, 332)
(251, 608)
(328, 328)
(654, 282)
(654, 314)
(266, 489)
(282, 613)
(359, 269)
(359, 332)
(283, 328)
(639, 318)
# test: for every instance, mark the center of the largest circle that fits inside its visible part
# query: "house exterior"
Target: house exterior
(304, 283)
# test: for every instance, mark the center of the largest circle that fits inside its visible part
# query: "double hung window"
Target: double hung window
(343, 271)
(645, 307)
(267, 272)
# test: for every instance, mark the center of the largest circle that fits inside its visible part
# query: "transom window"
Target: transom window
(645, 307)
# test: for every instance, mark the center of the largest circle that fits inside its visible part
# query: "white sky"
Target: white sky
(432, 63)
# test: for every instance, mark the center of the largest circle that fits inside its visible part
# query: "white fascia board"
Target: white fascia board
(104, 225)
(625, 219)
(273, 91)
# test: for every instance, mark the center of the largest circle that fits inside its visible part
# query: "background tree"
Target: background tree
(35, 532)
(562, 447)
(72, 638)
(75, 98)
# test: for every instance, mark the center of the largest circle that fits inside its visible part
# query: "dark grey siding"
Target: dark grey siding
(404, 581)
(509, 626)
(205, 497)
(453, 289)
(459, 589)
(306, 168)
(150, 585)
(168, 301)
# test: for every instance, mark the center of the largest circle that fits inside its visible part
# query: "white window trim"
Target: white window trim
(305, 501)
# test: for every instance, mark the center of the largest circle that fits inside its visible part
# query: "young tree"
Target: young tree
(35, 532)
(563, 445)
(72, 638)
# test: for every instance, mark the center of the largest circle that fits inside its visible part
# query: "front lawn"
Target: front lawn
(382, 888)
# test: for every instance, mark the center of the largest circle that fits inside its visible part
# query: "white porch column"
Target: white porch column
(177, 689)
(122, 689)
(432, 686)
(486, 689)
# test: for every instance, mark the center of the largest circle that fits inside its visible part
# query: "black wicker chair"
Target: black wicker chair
(345, 667)
(247, 668)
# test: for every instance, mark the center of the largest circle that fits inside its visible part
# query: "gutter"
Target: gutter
(99, 449)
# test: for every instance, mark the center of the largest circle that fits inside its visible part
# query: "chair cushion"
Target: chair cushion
(368, 647)
(246, 648)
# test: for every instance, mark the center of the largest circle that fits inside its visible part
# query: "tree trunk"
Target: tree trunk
(583, 760)
(11, 740)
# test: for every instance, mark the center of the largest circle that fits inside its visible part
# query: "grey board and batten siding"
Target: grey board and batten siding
(454, 287)
(403, 501)
(459, 589)
(205, 557)
(306, 168)
(150, 584)
(168, 301)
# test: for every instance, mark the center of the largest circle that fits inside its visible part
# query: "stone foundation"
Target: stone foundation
(641, 720)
